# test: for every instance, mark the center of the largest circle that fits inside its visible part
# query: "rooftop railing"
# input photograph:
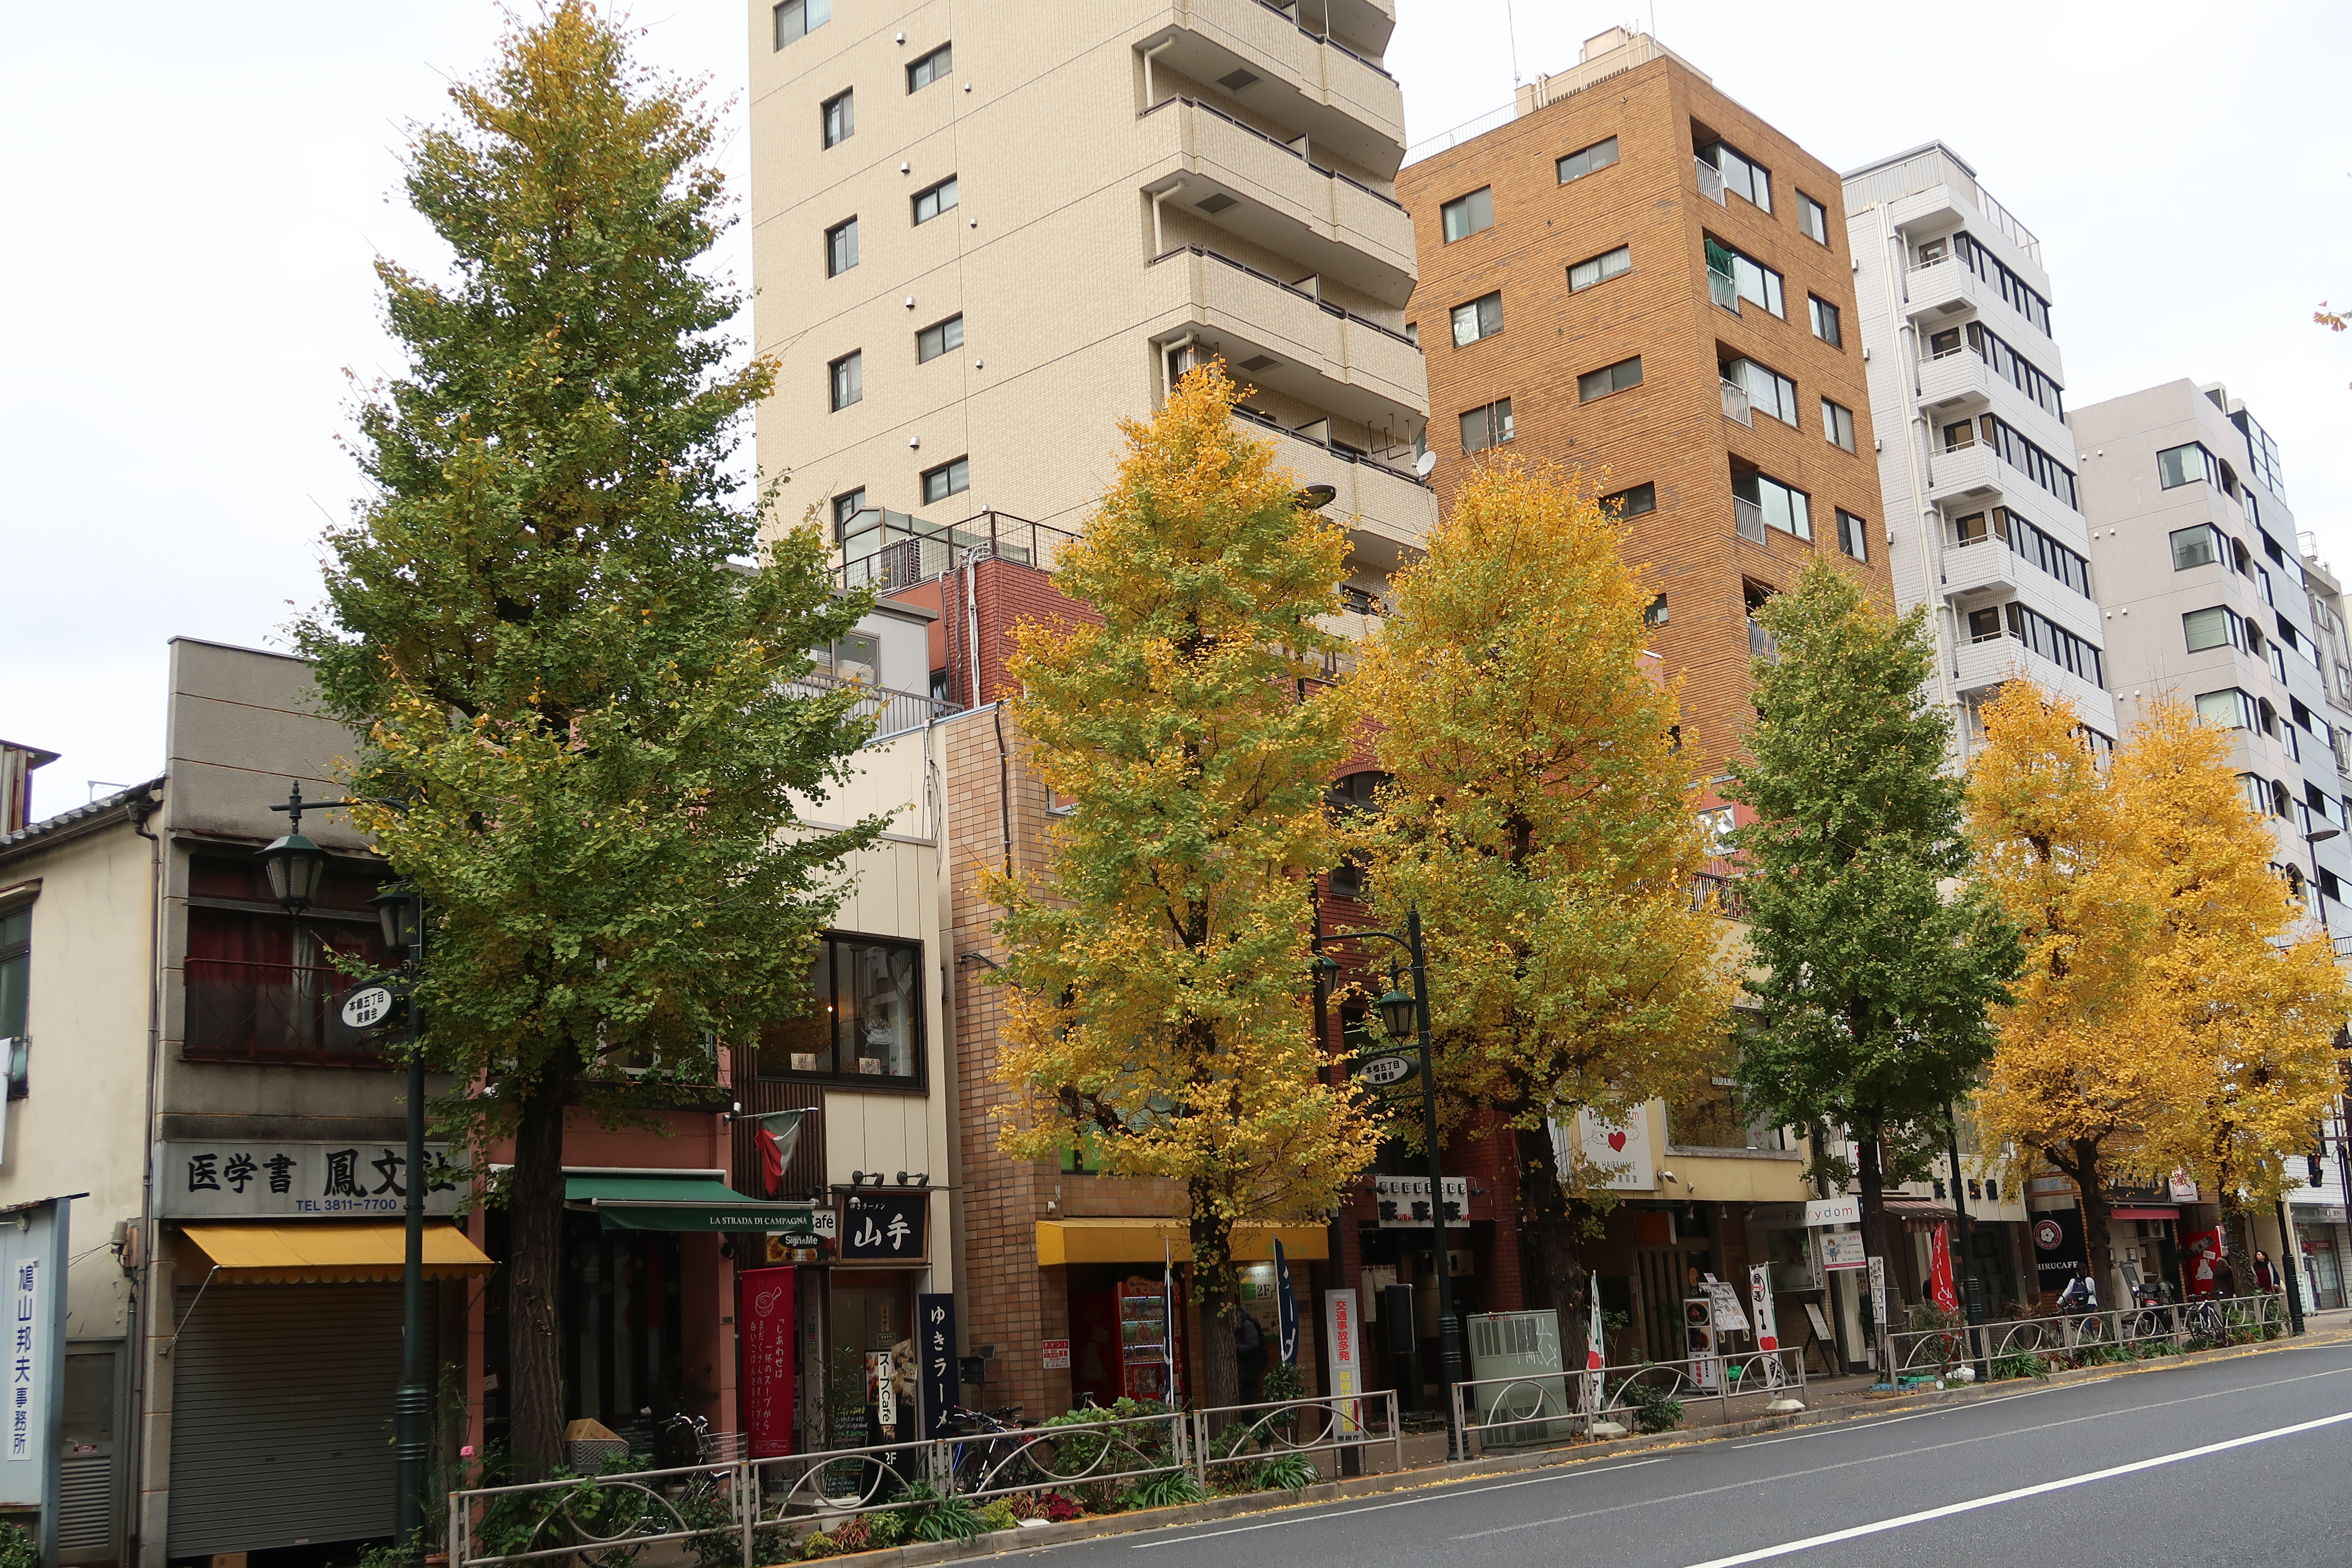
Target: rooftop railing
(1924, 171)
(888, 550)
(893, 713)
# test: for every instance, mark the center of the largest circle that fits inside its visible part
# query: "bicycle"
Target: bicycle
(987, 1451)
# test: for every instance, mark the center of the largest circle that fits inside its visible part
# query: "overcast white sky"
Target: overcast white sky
(195, 197)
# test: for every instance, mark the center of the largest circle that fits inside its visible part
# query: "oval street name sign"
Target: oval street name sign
(1386, 1072)
(367, 1007)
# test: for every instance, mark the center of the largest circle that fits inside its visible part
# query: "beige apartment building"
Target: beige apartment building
(983, 237)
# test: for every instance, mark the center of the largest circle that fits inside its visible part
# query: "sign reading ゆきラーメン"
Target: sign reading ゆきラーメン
(226, 1179)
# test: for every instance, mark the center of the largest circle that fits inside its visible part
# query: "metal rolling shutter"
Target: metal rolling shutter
(281, 1416)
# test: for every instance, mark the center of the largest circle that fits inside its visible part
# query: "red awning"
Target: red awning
(2143, 1213)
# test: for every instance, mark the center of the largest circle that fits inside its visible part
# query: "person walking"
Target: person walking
(2081, 1294)
(2266, 1274)
(1249, 1354)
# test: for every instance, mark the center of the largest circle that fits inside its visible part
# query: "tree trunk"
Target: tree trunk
(1870, 1174)
(534, 1265)
(1553, 1231)
(2098, 1230)
(1217, 1286)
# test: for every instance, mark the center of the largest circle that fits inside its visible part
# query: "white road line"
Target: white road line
(1789, 1547)
(1319, 1517)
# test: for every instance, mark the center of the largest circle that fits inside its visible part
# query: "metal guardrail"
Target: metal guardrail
(1345, 454)
(773, 1504)
(1748, 517)
(888, 550)
(1735, 404)
(2083, 1337)
(1548, 1409)
(891, 712)
(1710, 182)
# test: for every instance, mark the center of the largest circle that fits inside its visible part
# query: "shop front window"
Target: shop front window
(261, 985)
(864, 1023)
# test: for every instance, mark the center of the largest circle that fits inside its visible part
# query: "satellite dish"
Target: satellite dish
(1423, 464)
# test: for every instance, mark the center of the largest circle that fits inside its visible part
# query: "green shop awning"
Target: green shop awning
(682, 1200)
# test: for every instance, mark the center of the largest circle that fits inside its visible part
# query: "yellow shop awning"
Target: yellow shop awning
(1063, 1241)
(333, 1252)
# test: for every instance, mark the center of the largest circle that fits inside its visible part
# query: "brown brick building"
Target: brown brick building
(1629, 276)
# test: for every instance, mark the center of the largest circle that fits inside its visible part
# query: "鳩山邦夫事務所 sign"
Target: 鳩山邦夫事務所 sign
(226, 1179)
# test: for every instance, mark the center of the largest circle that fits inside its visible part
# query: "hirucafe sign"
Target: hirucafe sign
(286, 1179)
(1402, 1202)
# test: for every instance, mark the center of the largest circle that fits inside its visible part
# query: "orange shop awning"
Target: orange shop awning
(1061, 1241)
(333, 1252)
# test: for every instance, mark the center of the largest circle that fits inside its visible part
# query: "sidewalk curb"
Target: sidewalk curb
(1007, 1543)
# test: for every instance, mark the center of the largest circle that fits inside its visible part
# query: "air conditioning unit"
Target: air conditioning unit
(1522, 1395)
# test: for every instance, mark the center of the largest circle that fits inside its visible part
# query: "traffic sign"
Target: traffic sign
(1387, 1072)
(369, 1005)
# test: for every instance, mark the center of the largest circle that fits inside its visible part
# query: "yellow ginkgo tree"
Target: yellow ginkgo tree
(1159, 980)
(1539, 819)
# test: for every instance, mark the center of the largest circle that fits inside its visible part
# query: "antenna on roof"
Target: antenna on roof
(1511, 27)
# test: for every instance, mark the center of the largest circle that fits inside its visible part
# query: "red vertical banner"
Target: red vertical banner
(764, 1320)
(1940, 1268)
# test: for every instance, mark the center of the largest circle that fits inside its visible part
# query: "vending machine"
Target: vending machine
(1151, 1347)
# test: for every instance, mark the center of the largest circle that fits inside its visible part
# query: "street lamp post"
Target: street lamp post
(1403, 1014)
(296, 867)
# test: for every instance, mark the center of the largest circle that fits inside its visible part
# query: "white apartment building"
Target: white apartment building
(2206, 598)
(1984, 524)
(984, 236)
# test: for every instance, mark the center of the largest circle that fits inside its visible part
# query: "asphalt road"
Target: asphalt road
(2241, 1461)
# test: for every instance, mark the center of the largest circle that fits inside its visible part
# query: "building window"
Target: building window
(16, 992)
(1814, 218)
(947, 480)
(1732, 276)
(1740, 173)
(2197, 546)
(846, 508)
(2018, 453)
(848, 377)
(1641, 498)
(938, 339)
(1837, 424)
(2231, 710)
(840, 118)
(2013, 289)
(1621, 376)
(2042, 551)
(2041, 635)
(795, 18)
(261, 985)
(1599, 155)
(840, 247)
(2186, 465)
(1768, 392)
(1772, 504)
(933, 67)
(1466, 215)
(1825, 320)
(1487, 426)
(865, 1018)
(1853, 535)
(2210, 628)
(1600, 269)
(939, 198)
(1481, 318)
(1656, 615)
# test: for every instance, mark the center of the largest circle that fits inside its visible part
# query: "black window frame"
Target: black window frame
(940, 328)
(846, 508)
(939, 208)
(1853, 535)
(768, 1050)
(846, 102)
(1751, 171)
(1469, 203)
(840, 240)
(1617, 382)
(955, 475)
(854, 362)
(1478, 317)
(937, 65)
(1646, 493)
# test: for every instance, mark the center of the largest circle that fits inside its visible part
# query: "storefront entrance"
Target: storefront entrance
(622, 1328)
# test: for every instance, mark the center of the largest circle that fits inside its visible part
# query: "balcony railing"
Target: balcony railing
(1760, 644)
(888, 551)
(1736, 404)
(1275, 142)
(1723, 890)
(1361, 601)
(1710, 182)
(1346, 454)
(1315, 300)
(1725, 290)
(1289, 14)
(1749, 516)
(893, 713)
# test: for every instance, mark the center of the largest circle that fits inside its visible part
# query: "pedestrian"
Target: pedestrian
(2081, 1294)
(2266, 1274)
(1249, 1354)
(2225, 1279)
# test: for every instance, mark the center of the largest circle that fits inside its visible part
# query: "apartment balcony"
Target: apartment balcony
(1978, 667)
(1275, 194)
(1284, 338)
(1943, 291)
(1387, 512)
(1980, 564)
(1342, 101)
(1959, 381)
(1735, 404)
(1964, 473)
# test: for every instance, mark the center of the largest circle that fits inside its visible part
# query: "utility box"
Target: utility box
(1531, 1407)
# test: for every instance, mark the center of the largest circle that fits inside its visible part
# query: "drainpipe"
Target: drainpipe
(1149, 103)
(1159, 245)
(143, 1293)
(1167, 381)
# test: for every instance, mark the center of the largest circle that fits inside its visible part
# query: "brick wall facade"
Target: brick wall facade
(1670, 430)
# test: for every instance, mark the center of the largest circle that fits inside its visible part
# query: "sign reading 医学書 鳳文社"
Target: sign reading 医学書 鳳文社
(288, 1179)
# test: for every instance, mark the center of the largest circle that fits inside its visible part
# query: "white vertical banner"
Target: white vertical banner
(1596, 1356)
(1878, 1295)
(1343, 1347)
(33, 1295)
(1767, 1327)
(27, 1360)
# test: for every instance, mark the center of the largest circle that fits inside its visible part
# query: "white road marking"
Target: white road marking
(1444, 1496)
(1789, 1547)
